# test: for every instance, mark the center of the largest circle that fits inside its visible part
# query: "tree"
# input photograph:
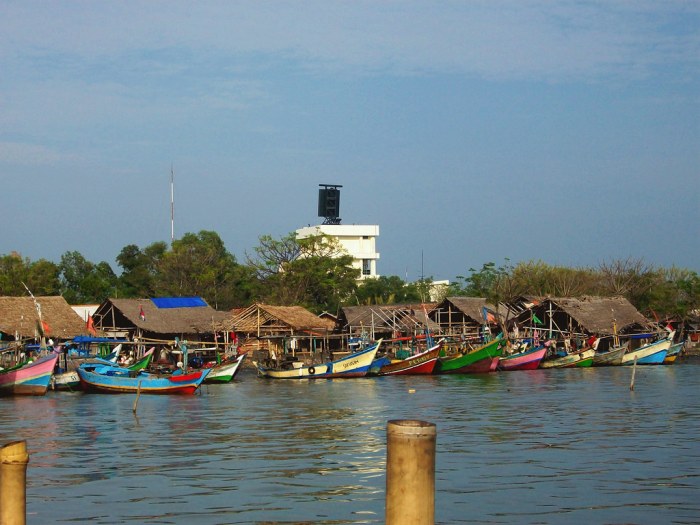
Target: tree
(199, 265)
(85, 282)
(314, 271)
(386, 290)
(13, 272)
(140, 269)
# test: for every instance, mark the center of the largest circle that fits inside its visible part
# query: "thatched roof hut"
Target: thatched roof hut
(388, 321)
(164, 317)
(581, 317)
(264, 319)
(463, 316)
(267, 326)
(19, 316)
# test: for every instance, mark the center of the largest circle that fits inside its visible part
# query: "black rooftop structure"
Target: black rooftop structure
(329, 203)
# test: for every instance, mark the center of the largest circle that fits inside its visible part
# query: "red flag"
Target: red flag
(45, 326)
(91, 326)
(142, 315)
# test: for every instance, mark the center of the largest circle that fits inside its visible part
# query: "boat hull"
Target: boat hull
(481, 360)
(581, 359)
(419, 364)
(225, 372)
(184, 384)
(529, 360)
(651, 354)
(357, 364)
(673, 352)
(32, 379)
(612, 357)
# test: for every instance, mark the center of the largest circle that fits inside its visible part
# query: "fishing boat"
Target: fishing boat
(649, 354)
(673, 352)
(610, 357)
(480, 360)
(526, 360)
(422, 363)
(69, 380)
(115, 380)
(356, 364)
(225, 372)
(582, 358)
(32, 379)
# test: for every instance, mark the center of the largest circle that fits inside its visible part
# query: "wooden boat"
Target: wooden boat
(650, 354)
(32, 379)
(356, 364)
(70, 380)
(423, 363)
(525, 360)
(583, 358)
(226, 371)
(673, 352)
(480, 360)
(114, 380)
(610, 357)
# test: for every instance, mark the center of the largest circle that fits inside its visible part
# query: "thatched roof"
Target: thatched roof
(596, 314)
(472, 307)
(126, 314)
(401, 317)
(279, 319)
(19, 315)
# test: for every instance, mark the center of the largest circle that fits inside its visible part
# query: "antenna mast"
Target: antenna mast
(172, 205)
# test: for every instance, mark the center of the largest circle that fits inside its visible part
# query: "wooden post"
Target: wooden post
(13, 483)
(634, 369)
(410, 473)
(136, 401)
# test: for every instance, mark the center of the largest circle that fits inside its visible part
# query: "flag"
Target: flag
(91, 326)
(45, 326)
(536, 319)
(142, 314)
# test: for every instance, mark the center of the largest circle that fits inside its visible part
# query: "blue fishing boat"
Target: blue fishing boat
(649, 354)
(116, 380)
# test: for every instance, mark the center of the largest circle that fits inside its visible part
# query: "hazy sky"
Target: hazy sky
(469, 131)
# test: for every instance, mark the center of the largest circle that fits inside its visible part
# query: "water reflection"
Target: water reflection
(545, 446)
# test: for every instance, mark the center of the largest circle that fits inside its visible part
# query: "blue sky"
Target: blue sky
(470, 131)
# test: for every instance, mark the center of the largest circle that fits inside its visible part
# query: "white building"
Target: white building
(359, 240)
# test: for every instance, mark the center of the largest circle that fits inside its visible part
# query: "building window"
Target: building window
(366, 267)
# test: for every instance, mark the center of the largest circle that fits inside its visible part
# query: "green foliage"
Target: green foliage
(84, 282)
(199, 265)
(314, 272)
(387, 290)
(139, 269)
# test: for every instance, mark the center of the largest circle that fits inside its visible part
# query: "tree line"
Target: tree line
(316, 273)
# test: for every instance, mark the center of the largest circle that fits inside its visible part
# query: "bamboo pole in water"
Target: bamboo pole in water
(410, 473)
(13, 483)
(634, 369)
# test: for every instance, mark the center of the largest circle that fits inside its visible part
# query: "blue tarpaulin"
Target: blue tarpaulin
(178, 302)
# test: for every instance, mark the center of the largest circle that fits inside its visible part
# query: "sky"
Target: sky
(566, 132)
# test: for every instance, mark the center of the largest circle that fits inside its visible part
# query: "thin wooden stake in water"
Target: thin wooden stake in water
(13, 483)
(138, 393)
(634, 369)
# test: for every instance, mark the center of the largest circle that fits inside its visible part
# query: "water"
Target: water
(539, 447)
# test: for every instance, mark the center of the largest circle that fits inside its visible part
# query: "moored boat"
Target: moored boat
(32, 379)
(114, 380)
(422, 363)
(583, 358)
(649, 354)
(610, 357)
(526, 360)
(356, 364)
(480, 360)
(673, 352)
(226, 371)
